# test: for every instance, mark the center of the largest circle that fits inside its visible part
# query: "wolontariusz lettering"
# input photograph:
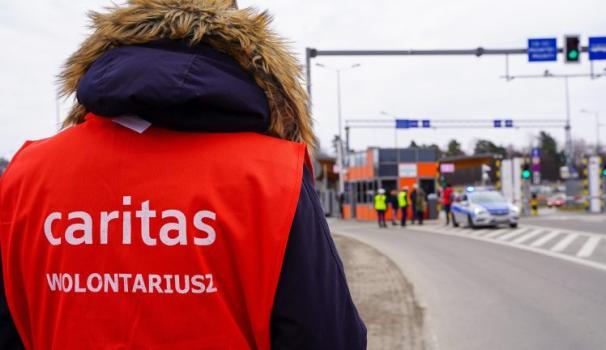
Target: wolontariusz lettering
(80, 230)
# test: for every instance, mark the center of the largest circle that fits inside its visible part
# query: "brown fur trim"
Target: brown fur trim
(243, 34)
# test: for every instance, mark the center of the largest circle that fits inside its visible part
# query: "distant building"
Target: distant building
(386, 168)
(327, 183)
(476, 170)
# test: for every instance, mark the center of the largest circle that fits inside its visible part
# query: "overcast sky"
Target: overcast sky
(40, 34)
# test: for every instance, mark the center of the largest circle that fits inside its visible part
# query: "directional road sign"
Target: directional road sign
(508, 123)
(411, 123)
(597, 48)
(497, 123)
(542, 50)
(402, 124)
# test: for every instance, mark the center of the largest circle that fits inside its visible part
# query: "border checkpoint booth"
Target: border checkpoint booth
(387, 168)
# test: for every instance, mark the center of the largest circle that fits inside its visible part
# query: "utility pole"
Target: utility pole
(341, 152)
(568, 127)
(597, 129)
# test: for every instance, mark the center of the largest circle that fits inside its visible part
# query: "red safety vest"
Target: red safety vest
(113, 239)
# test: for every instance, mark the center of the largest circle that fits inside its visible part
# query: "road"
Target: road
(571, 220)
(491, 293)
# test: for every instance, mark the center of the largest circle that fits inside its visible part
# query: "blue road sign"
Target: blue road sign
(497, 123)
(509, 123)
(536, 152)
(542, 50)
(597, 48)
(426, 123)
(402, 123)
(414, 123)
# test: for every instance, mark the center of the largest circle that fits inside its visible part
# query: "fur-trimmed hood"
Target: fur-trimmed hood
(242, 34)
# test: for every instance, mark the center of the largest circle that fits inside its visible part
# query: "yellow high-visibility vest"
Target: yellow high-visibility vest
(403, 199)
(381, 202)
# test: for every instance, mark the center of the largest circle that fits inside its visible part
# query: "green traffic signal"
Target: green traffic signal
(604, 172)
(573, 55)
(526, 174)
(572, 48)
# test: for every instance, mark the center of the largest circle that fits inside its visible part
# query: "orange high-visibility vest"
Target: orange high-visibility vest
(113, 239)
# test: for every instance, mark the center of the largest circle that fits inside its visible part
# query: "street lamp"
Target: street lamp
(395, 142)
(597, 128)
(340, 155)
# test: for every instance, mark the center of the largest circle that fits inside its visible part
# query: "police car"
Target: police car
(483, 208)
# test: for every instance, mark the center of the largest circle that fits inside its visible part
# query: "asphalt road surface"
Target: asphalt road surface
(493, 293)
(595, 223)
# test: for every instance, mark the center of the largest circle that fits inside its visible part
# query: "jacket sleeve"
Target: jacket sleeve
(9, 338)
(313, 308)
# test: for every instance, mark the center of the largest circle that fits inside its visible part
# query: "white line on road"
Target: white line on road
(539, 242)
(561, 256)
(564, 243)
(479, 232)
(588, 247)
(527, 236)
(510, 235)
(496, 233)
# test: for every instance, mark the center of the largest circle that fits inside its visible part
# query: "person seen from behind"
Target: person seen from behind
(420, 203)
(380, 203)
(394, 205)
(116, 233)
(447, 198)
(413, 202)
(403, 204)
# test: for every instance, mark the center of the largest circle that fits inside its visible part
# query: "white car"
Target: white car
(484, 208)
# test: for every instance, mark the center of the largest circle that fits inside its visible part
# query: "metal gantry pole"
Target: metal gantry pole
(340, 152)
(308, 56)
(568, 128)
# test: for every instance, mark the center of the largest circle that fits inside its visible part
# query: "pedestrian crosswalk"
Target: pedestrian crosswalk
(584, 245)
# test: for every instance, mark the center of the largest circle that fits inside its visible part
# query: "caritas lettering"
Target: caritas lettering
(80, 225)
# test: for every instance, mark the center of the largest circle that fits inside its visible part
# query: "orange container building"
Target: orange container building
(389, 169)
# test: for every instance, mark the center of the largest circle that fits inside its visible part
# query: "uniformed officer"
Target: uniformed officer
(403, 203)
(380, 201)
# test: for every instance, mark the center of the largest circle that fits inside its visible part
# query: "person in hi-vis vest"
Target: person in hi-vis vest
(117, 232)
(403, 203)
(380, 204)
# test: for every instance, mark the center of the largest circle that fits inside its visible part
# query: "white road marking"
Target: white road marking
(539, 242)
(564, 243)
(527, 236)
(561, 256)
(510, 235)
(479, 232)
(496, 233)
(589, 247)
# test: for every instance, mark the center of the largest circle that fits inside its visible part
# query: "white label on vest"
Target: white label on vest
(133, 122)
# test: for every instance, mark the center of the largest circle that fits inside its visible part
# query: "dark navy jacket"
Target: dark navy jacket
(199, 89)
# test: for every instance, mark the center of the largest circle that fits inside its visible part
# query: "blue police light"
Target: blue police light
(470, 189)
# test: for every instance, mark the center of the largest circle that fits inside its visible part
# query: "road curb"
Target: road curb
(385, 298)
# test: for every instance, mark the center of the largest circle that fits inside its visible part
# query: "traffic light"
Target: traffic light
(572, 49)
(603, 172)
(526, 173)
